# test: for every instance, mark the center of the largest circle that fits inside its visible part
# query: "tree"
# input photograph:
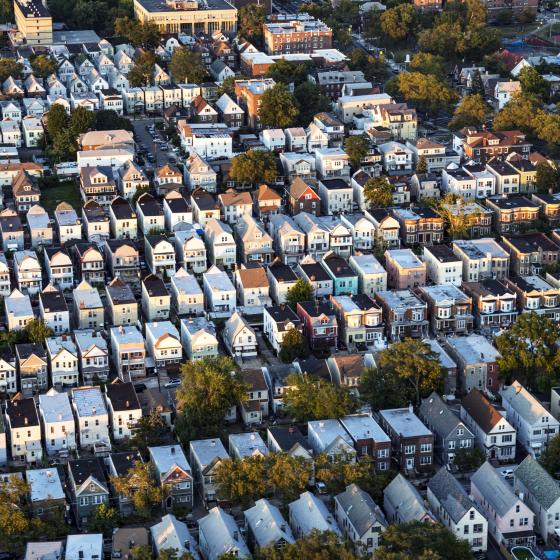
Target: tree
(149, 431)
(6, 11)
(43, 66)
(139, 486)
(253, 166)
(375, 68)
(141, 552)
(533, 84)
(357, 147)
(251, 18)
(468, 459)
(477, 86)
(457, 214)
(425, 90)
(528, 351)
(14, 524)
(424, 541)
(278, 107)
(142, 73)
(81, 120)
(422, 165)
(287, 476)
(313, 399)
(107, 119)
(228, 86)
(525, 16)
(396, 23)
(294, 345)
(518, 114)
(288, 72)
(550, 457)
(471, 111)
(547, 177)
(378, 192)
(58, 121)
(415, 364)
(209, 388)
(187, 66)
(427, 63)
(241, 481)
(381, 389)
(9, 67)
(300, 291)
(104, 519)
(547, 128)
(144, 35)
(36, 331)
(504, 17)
(314, 546)
(310, 101)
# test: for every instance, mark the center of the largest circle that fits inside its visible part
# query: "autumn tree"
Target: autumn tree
(141, 552)
(471, 111)
(550, 456)
(149, 431)
(9, 67)
(427, 63)
(547, 178)
(139, 486)
(425, 90)
(314, 399)
(278, 107)
(518, 114)
(209, 388)
(36, 331)
(458, 215)
(142, 73)
(423, 541)
(547, 128)
(14, 523)
(43, 66)
(300, 291)
(378, 192)
(251, 18)
(104, 519)
(253, 166)
(187, 66)
(422, 165)
(533, 84)
(294, 346)
(396, 23)
(528, 351)
(357, 147)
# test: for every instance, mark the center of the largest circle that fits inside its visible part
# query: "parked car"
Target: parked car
(172, 383)
(507, 473)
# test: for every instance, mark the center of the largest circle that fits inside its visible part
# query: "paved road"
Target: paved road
(144, 137)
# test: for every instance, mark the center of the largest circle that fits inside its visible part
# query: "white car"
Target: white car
(172, 383)
(507, 473)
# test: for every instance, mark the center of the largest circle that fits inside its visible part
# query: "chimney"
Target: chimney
(172, 451)
(25, 420)
(410, 408)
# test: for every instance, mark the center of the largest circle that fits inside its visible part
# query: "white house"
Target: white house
(309, 513)
(58, 424)
(24, 430)
(129, 352)
(187, 297)
(198, 338)
(239, 337)
(170, 533)
(336, 196)
(124, 409)
(190, 250)
(221, 246)
(218, 534)
(266, 525)
(63, 361)
(163, 343)
(18, 310)
(219, 291)
(92, 418)
(60, 269)
(330, 437)
(28, 272)
(372, 276)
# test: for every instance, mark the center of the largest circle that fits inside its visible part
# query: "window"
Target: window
(425, 448)
(409, 449)
(471, 515)
(477, 527)
(466, 530)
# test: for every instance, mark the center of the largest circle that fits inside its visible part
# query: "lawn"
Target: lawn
(65, 191)
(522, 553)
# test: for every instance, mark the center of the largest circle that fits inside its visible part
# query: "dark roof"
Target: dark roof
(125, 460)
(334, 184)
(532, 242)
(122, 209)
(178, 205)
(82, 469)
(254, 378)
(316, 368)
(155, 286)
(122, 396)
(513, 202)
(282, 314)
(481, 410)
(24, 351)
(315, 272)
(80, 247)
(282, 272)
(149, 206)
(153, 240)
(379, 214)
(120, 292)
(204, 200)
(443, 253)
(94, 212)
(53, 301)
(288, 436)
(364, 302)
(22, 412)
(338, 266)
(315, 308)
(114, 244)
(486, 287)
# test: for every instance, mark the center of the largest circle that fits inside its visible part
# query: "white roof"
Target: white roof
(172, 533)
(44, 550)
(473, 349)
(127, 334)
(481, 248)
(367, 264)
(55, 407)
(45, 484)
(405, 498)
(326, 431)
(164, 457)
(363, 426)
(525, 404)
(227, 105)
(218, 280)
(87, 297)
(18, 304)
(309, 512)
(56, 343)
(185, 283)
(90, 544)
(405, 258)
(405, 422)
(445, 292)
(85, 339)
(89, 401)
(157, 329)
(267, 524)
(444, 358)
(222, 534)
(247, 444)
(204, 451)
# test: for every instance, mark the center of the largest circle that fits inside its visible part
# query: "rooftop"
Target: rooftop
(45, 485)
(363, 426)
(404, 421)
(89, 401)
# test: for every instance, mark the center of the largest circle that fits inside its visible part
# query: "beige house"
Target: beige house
(40, 227)
(34, 22)
(156, 300)
(122, 219)
(198, 337)
(129, 352)
(163, 343)
(131, 177)
(186, 294)
(404, 269)
(88, 308)
(122, 305)
(256, 244)
(235, 204)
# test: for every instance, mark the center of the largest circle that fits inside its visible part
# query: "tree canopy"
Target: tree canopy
(302, 290)
(471, 111)
(533, 84)
(310, 101)
(142, 73)
(43, 66)
(357, 147)
(547, 177)
(294, 345)
(144, 35)
(396, 23)
(251, 18)
(278, 108)
(424, 90)
(287, 72)
(550, 457)
(378, 192)
(187, 66)
(253, 166)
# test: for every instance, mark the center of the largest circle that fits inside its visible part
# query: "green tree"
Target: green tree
(142, 73)
(468, 459)
(293, 346)
(477, 86)
(104, 519)
(300, 291)
(457, 215)
(36, 331)
(471, 111)
(187, 66)
(209, 388)
(9, 67)
(518, 114)
(425, 90)
(58, 121)
(442, 39)
(241, 481)
(251, 18)
(427, 63)
(547, 177)
(149, 431)
(422, 165)
(547, 128)
(550, 457)
(144, 35)
(228, 86)
(424, 541)
(527, 15)
(288, 73)
(310, 101)
(141, 552)
(533, 84)
(314, 399)
(139, 485)
(287, 476)
(253, 166)
(528, 351)
(81, 120)
(107, 119)
(415, 364)
(278, 107)
(14, 523)
(504, 17)
(378, 192)
(6, 11)
(357, 147)
(396, 23)
(380, 388)
(43, 66)
(315, 546)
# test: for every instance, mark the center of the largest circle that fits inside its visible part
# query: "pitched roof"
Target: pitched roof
(450, 494)
(544, 488)
(496, 491)
(481, 410)
(525, 404)
(360, 508)
(438, 415)
(253, 278)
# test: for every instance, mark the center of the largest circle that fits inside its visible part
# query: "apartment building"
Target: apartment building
(301, 35)
(482, 258)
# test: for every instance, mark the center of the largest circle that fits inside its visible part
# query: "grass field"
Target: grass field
(66, 191)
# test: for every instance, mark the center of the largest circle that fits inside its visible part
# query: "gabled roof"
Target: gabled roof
(525, 404)
(360, 509)
(439, 416)
(406, 500)
(450, 494)
(481, 410)
(267, 524)
(496, 490)
(544, 488)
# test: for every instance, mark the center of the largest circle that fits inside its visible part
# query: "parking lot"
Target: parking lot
(150, 144)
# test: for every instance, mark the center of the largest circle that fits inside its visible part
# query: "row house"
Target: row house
(89, 262)
(372, 276)
(187, 297)
(288, 238)
(122, 219)
(121, 303)
(513, 214)
(63, 361)
(219, 292)
(482, 258)
(124, 409)
(59, 268)
(46, 494)
(534, 294)
(405, 314)
(221, 246)
(549, 205)
(530, 252)
(95, 222)
(421, 226)
(266, 202)
(442, 265)
(303, 198)
(336, 196)
(319, 322)
(254, 241)
(89, 311)
(277, 321)
(362, 230)
(53, 310)
(484, 145)
(160, 255)
(316, 232)
(123, 259)
(298, 165)
(22, 423)
(253, 289)
(340, 236)
(150, 215)
(404, 269)
(190, 250)
(129, 352)
(58, 424)
(345, 280)
(198, 338)
(386, 227)
(156, 300)
(435, 154)
(281, 278)
(163, 344)
(32, 366)
(92, 419)
(313, 273)
(478, 217)
(93, 355)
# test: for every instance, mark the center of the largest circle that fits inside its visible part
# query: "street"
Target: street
(150, 146)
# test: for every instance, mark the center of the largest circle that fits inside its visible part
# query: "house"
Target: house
(93, 355)
(412, 442)
(288, 439)
(510, 521)
(340, 236)
(457, 511)
(482, 258)
(186, 294)
(266, 202)
(40, 227)
(32, 367)
(255, 407)
(124, 409)
(63, 361)
(8, 385)
(266, 527)
(25, 189)
(403, 504)
(176, 210)
(449, 309)
(84, 547)
(421, 226)
(174, 475)
(123, 308)
(221, 246)
(5, 281)
(88, 260)
(163, 344)
(69, 226)
(277, 321)
(205, 207)
(333, 163)
(372, 277)
(53, 310)
(198, 338)
(405, 314)
(507, 177)
(345, 280)
(288, 238)
(531, 252)
(11, 230)
(541, 492)
(493, 433)
(281, 278)
(205, 455)
(172, 534)
(46, 495)
(24, 431)
(313, 273)
(451, 433)
(513, 214)
(239, 338)
(190, 250)
(199, 174)
(504, 91)
(150, 215)
(130, 179)
(89, 310)
(330, 437)
(89, 489)
(255, 243)
(58, 423)
(28, 272)
(218, 291)
(534, 424)
(166, 179)
(252, 289)
(92, 419)
(219, 535)
(336, 196)
(230, 112)
(97, 183)
(122, 219)
(360, 518)
(244, 445)
(442, 265)
(549, 204)
(59, 267)
(308, 513)
(316, 232)
(303, 198)
(320, 325)
(129, 352)
(160, 255)
(397, 158)
(404, 269)
(483, 145)
(123, 259)
(95, 222)
(536, 295)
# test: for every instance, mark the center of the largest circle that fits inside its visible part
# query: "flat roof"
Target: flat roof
(89, 401)
(405, 422)
(405, 258)
(363, 426)
(45, 484)
(474, 348)
(161, 6)
(55, 407)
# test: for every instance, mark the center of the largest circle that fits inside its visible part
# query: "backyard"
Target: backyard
(53, 193)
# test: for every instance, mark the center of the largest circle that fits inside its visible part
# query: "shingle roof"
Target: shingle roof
(481, 410)
(538, 482)
(360, 508)
(450, 494)
(438, 415)
(496, 491)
